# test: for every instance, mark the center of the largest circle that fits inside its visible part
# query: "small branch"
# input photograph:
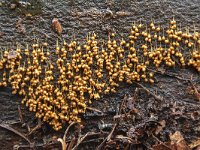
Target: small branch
(71, 143)
(111, 133)
(149, 92)
(122, 105)
(80, 140)
(35, 145)
(63, 140)
(7, 127)
(196, 93)
(124, 137)
(169, 74)
(113, 129)
(64, 145)
(121, 116)
(20, 115)
(38, 126)
(107, 138)
(160, 141)
(94, 109)
(66, 131)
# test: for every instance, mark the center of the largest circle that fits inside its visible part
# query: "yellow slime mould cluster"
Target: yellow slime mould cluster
(59, 85)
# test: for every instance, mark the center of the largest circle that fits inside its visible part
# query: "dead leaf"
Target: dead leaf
(195, 143)
(170, 146)
(160, 127)
(177, 143)
(56, 26)
(176, 137)
(178, 140)
(163, 146)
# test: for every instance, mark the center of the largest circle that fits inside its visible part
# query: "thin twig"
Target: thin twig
(111, 133)
(121, 116)
(114, 126)
(36, 145)
(96, 140)
(91, 134)
(63, 140)
(149, 92)
(66, 131)
(7, 127)
(124, 137)
(38, 126)
(122, 105)
(20, 115)
(94, 109)
(196, 93)
(160, 141)
(168, 74)
(70, 145)
(80, 140)
(64, 145)
(107, 138)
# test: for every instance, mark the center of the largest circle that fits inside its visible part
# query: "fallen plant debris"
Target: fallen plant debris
(38, 126)
(160, 127)
(195, 143)
(177, 142)
(5, 126)
(128, 133)
(57, 26)
(196, 93)
(142, 121)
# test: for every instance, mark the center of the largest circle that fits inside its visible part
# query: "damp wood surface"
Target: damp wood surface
(134, 115)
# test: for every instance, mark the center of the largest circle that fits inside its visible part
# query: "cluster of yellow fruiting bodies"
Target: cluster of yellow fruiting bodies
(58, 85)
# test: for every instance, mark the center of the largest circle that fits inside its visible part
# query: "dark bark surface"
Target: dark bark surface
(177, 106)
